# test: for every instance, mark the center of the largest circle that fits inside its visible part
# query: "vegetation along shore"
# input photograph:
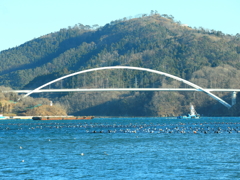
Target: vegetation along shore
(208, 58)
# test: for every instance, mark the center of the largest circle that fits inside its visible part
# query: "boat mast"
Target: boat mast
(192, 110)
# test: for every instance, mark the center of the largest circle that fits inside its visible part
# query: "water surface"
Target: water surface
(120, 148)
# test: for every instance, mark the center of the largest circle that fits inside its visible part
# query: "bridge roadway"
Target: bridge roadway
(124, 89)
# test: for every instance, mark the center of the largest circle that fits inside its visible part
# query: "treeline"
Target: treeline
(154, 41)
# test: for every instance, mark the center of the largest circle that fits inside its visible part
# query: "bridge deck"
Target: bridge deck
(125, 89)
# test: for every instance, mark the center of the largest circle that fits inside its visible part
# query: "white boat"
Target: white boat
(3, 117)
(192, 115)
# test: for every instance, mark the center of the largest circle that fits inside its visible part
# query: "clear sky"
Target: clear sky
(24, 20)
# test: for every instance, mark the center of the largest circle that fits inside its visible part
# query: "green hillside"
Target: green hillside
(208, 58)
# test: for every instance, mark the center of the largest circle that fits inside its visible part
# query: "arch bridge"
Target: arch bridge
(195, 87)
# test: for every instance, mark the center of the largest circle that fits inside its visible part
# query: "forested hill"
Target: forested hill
(207, 57)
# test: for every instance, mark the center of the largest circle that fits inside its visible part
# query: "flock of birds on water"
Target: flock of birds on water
(140, 127)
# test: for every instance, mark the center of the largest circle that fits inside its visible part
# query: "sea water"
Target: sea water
(121, 148)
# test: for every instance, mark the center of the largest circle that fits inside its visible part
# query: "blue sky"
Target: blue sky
(24, 20)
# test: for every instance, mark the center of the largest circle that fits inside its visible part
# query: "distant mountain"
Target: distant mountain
(209, 58)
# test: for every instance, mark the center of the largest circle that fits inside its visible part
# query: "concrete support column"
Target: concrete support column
(234, 97)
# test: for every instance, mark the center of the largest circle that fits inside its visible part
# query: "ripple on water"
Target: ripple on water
(128, 148)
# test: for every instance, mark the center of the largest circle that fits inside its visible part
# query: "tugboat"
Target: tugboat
(192, 115)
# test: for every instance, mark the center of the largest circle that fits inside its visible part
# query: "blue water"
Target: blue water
(120, 148)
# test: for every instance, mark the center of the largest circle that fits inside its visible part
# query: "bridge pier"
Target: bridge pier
(234, 97)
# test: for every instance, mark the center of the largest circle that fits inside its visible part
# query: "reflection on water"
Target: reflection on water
(120, 148)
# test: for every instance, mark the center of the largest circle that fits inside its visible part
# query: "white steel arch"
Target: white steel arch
(135, 68)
